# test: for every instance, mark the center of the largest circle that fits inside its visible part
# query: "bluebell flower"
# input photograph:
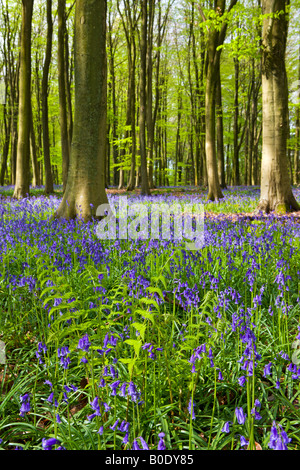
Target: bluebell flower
(48, 444)
(84, 343)
(96, 407)
(192, 412)
(225, 428)
(114, 426)
(267, 369)
(244, 442)
(135, 445)
(241, 417)
(161, 443)
(242, 380)
(25, 404)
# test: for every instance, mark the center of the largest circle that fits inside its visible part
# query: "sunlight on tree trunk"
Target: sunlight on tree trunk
(276, 192)
(85, 189)
(23, 151)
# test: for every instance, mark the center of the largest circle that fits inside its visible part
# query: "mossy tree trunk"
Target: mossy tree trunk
(85, 189)
(23, 149)
(276, 191)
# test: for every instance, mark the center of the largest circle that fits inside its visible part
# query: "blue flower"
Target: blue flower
(135, 445)
(161, 443)
(192, 412)
(241, 417)
(244, 442)
(25, 404)
(84, 343)
(48, 444)
(226, 427)
(96, 407)
(114, 426)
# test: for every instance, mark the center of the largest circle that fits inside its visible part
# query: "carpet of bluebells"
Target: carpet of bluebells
(134, 344)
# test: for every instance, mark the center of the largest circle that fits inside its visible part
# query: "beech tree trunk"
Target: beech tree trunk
(45, 122)
(63, 114)
(216, 37)
(85, 189)
(220, 133)
(276, 191)
(143, 99)
(23, 150)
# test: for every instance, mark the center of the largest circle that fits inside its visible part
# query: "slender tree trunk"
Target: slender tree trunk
(5, 149)
(297, 132)
(85, 190)
(216, 37)
(143, 104)
(236, 169)
(23, 152)
(36, 181)
(112, 85)
(220, 133)
(45, 113)
(276, 192)
(61, 57)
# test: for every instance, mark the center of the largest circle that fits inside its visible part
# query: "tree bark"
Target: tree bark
(23, 151)
(220, 133)
(45, 113)
(36, 181)
(85, 189)
(216, 37)
(297, 132)
(142, 117)
(276, 191)
(61, 18)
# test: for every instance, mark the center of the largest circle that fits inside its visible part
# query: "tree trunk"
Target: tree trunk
(276, 192)
(220, 133)
(216, 37)
(23, 151)
(5, 149)
(142, 118)
(297, 132)
(36, 181)
(45, 118)
(236, 169)
(85, 189)
(61, 18)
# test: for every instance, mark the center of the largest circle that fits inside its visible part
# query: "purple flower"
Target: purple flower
(47, 444)
(114, 426)
(242, 380)
(84, 343)
(161, 443)
(278, 439)
(226, 427)
(63, 355)
(267, 369)
(25, 404)
(96, 407)
(241, 417)
(135, 445)
(192, 411)
(244, 442)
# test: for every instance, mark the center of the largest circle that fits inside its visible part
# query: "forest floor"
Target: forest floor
(126, 344)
